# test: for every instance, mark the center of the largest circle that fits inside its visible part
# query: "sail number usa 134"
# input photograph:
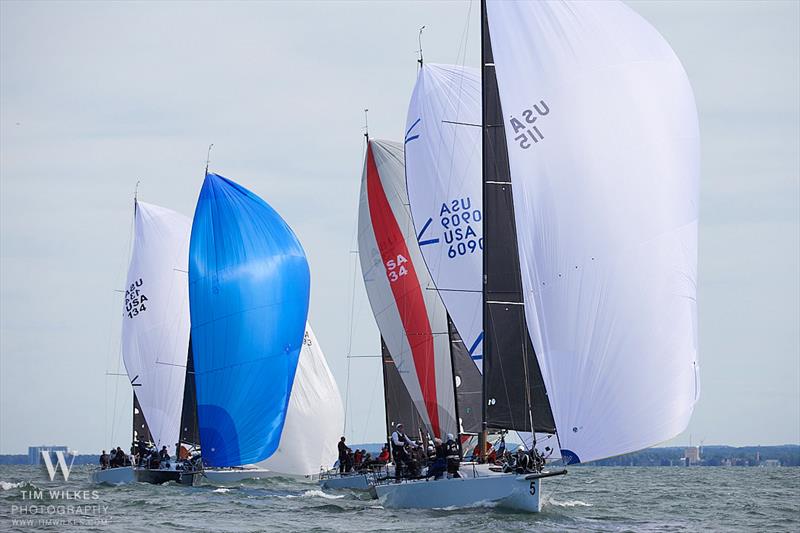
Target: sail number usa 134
(135, 300)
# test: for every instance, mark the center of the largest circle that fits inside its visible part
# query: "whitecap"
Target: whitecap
(568, 503)
(6, 485)
(221, 489)
(315, 493)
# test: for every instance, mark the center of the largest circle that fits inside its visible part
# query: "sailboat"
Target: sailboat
(155, 335)
(431, 385)
(314, 403)
(249, 285)
(589, 195)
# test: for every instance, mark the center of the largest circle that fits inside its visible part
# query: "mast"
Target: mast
(511, 369)
(484, 424)
(384, 356)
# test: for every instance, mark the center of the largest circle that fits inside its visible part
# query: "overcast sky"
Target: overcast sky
(96, 96)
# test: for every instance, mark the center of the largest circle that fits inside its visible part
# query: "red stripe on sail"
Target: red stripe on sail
(405, 288)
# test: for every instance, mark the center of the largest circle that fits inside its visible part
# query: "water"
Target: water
(587, 499)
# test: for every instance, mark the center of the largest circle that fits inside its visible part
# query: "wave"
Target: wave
(7, 485)
(316, 493)
(221, 490)
(568, 503)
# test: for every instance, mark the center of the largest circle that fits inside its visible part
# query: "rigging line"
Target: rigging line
(129, 246)
(371, 405)
(353, 237)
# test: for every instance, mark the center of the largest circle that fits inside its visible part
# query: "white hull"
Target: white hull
(518, 492)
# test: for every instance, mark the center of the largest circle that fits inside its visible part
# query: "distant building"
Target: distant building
(691, 455)
(770, 463)
(35, 453)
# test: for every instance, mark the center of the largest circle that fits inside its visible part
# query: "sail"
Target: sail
(248, 295)
(410, 314)
(603, 146)
(140, 428)
(190, 429)
(514, 391)
(443, 176)
(468, 383)
(314, 419)
(155, 322)
(399, 405)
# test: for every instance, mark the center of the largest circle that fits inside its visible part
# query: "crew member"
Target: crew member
(163, 455)
(453, 455)
(399, 441)
(104, 460)
(343, 451)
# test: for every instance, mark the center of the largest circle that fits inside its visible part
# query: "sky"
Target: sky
(95, 97)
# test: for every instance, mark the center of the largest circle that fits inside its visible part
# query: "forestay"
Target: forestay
(155, 323)
(443, 176)
(249, 290)
(314, 419)
(410, 314)
(602, 139)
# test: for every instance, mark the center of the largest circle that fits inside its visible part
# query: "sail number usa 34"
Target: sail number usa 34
(135, 300)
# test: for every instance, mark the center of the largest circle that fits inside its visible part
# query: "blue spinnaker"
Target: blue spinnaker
(249, 286)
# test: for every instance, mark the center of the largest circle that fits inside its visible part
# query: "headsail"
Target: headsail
(603, 147)
(155, 324)
(249, 290)
(314, 419)
(409, 312)
(443, 175)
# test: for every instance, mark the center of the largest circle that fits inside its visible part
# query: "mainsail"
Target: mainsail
(314, 418)
(190, 429)
(514, 390)
(399, 406)
(443, 175)
(248, 291)
(155, 324)
(410, 314)
(602, 143)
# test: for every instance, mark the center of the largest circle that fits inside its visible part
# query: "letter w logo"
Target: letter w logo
(53, 468)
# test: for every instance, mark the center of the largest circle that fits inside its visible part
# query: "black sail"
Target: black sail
(399, 406)
(190, 430)
(514, 391)
(140, 427)
(468, 383)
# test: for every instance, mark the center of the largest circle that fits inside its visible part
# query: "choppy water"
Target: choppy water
(588, 499)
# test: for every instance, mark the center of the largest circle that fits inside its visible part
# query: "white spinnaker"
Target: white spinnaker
(155, 323)
(443, 176)
(314, 419)
(603, 145)
(410, 314)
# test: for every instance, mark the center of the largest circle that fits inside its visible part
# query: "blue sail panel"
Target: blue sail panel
(249, 285)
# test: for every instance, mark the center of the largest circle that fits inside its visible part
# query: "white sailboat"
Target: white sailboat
(589, 225)
(155, 334)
